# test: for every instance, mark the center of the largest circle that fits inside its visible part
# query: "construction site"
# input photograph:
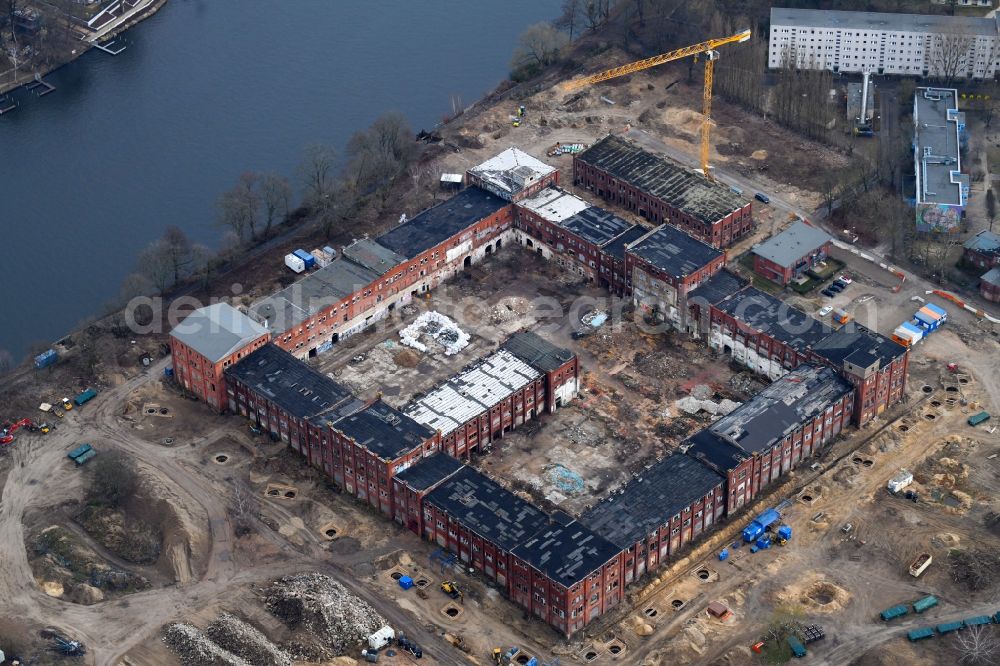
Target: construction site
(483, 464)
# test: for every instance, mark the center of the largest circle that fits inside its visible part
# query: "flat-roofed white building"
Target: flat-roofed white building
(952, 47)
(942, 188)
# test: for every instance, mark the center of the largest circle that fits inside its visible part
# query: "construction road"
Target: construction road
(110, 629)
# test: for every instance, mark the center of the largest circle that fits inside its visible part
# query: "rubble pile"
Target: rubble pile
(193, 648)
(242, 639)
(324, 608)
(439, 327)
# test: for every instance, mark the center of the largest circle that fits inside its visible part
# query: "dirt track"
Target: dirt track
(111, 629)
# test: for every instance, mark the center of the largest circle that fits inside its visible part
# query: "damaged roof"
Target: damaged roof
(648, 501)
(429, 471)
(383, 430)
(616, 248)
(511, 171)
(554, 204)
(292, 385)
(482, 506)
(674, 252)
(771, 316)
(783, 407)
(596, 225)
(680, 187)
(537, 352)
(369, 254)
(439, 223)
(718, 287)
(567, 553)
(859, 346)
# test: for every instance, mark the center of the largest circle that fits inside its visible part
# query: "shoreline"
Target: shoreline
(85, 47)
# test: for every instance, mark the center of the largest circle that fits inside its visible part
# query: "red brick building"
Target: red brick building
(413, 483)
(665, 265)
(763, 439)
(512, 175)
(662, 191)
(373, 277)
(989, 285)
(653, 516)
(208, 341)
(982, 250)
(791, 253)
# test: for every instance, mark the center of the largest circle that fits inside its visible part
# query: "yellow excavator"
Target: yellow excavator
(711, 55)
(451, 588)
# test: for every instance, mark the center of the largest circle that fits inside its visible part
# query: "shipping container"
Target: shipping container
(80, 460)
(977, 621)
(295, 263)
(920, 634)
(306, 258)
(908, 334)
(930, 317)
(949, 627)
(976, 419)
(928, 602)
(85, 396)
(901, 479)
(894, 612)
(759, 524)
(330, 251)
(46, 358)
(798, 649)
(785, 532)
(78, 451)
(919, 565)
(322, 258)
(841, 316)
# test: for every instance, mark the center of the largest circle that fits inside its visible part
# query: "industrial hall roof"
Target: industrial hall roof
(566, 551)
(383, 430)
(673, 251)
(775, 318)
(439, 223)
(648, 501)
(292, 385)
(668, 181)
(217, 331)
(537, 352)
(510, 172)
(482, 506)
(429, 471)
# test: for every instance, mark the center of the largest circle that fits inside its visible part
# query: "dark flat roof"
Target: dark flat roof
(776, 318)
(369, 254)
(536, 351)
(596, 225)
(483, 506)
(859, 346)
(616, 248)
(792, 400)
(429, 471)
(718, 287)
(386, 432)
(682, 188)
(567, 553)
(708, 449)
(439, 223)
(293, 385)
(637, 509)
(674, 252)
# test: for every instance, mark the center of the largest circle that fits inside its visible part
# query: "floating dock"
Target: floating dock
(6, 104)
(40, 87)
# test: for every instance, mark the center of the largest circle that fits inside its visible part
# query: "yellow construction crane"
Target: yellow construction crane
(711, 55)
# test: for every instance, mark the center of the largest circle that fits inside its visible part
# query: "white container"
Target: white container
(381, 638)
(295, 263)
(902, 479)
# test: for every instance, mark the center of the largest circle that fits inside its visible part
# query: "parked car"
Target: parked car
(840, 283)
(825, 310)
(846, 279)
(828, 293)
(760, 196)
(836, 288)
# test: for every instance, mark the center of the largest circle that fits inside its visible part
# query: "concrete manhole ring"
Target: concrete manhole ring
(221, 458)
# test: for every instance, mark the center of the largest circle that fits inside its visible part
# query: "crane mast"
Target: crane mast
(711, 55)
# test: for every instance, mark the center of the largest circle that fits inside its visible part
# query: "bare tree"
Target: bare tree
(380, 153)
(538, 45)
(244, 510)
(572, 12)
(178, 250)
(204, 262)
(134, 284)
(949, 56)
(114, 479)
(593, 14)
(991, 206)
(155, 263)
(316, 173)
(977, 644)
(276, 197)
(239, 207)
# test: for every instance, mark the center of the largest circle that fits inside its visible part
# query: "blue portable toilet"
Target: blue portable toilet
(724, 554)
(406, 582)
(168, 372)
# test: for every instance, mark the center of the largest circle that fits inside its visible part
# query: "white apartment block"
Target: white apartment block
(959, 47)
(965, 3)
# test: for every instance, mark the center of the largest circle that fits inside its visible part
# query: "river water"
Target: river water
(128, 145)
